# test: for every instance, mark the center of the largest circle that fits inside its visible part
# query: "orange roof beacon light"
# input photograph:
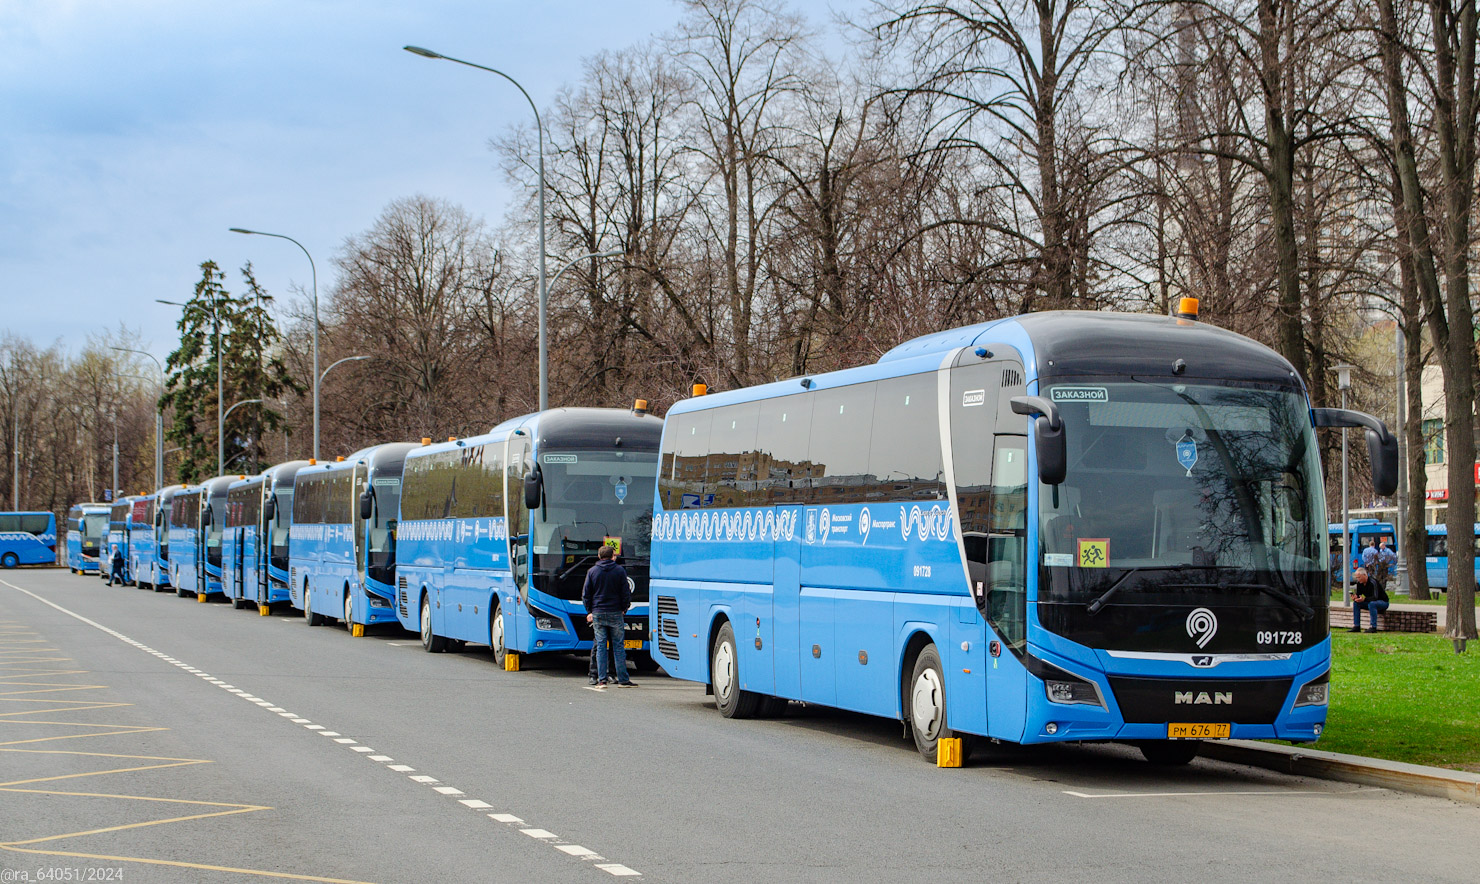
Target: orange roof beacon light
(426, 440)
(312, 461)
(639, 407)
(701, 389)
(339, 459)
(451, 438)
(1187, 308)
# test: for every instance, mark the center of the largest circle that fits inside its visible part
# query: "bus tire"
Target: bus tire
(642, 661)
(1169, 753)
(926, 705)
(496, 635)
(433, 643)
(10, 560)
(349, 610)
(308, 614)
(238, 603)
(724, 673)
(772, 707)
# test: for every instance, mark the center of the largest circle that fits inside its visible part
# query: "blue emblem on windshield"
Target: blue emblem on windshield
(1187, 452)
(621, 492)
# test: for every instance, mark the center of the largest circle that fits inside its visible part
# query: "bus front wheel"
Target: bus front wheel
(10, 560)
(433, 643)
(349, 610)
(724, 669)
(927, 706)
(496, 635)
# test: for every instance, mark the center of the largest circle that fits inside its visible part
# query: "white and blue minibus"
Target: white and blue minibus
(497, 532)
(27, 539)
(87, 531)
(1061, 526)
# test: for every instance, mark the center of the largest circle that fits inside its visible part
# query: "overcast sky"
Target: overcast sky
(133, 133)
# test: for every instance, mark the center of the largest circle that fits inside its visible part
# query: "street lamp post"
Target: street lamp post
(158, 418)
(339, 363)
(314, 271)
(220, 418)
(1344, 382)
(544, 289)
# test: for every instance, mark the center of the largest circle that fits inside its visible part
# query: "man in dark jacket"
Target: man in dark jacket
(1367, 592)
(607, 595)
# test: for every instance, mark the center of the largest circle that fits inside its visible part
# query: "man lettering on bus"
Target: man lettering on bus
(607, 595)
(1367, 592)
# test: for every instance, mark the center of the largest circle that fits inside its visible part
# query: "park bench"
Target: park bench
(1389, 620)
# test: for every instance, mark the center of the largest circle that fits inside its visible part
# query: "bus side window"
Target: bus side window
(685, 460)
(1006, 597)
(905, 455)
(783, 473)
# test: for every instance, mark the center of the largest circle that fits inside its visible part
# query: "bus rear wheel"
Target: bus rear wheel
(308, 614)
(433, 643)
(1169, 753)
(10, 560)
(724, 669)
(927, 706)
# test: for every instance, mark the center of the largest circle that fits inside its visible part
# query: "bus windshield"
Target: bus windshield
(1203, 490)
(380, 533)
(592, 497)
(94, 525)
(282, 521)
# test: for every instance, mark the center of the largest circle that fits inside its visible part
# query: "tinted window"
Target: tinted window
(686, 444)
(904, 451)
(35, 523)
(10, 522)
(783, 435)
(842, 422)
(731, 470)
(478, 483)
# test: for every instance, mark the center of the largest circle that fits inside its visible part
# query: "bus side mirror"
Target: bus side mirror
(1382, 446)
(1048, 437)
(269, 507)
(207, 517)
(533, 485)
(366, 505)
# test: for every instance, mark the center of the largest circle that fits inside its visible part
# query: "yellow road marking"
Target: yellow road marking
(24, 668)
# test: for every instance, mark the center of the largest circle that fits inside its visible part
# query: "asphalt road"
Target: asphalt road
(149, 738)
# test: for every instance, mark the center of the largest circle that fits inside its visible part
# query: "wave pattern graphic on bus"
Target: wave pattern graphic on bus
(730, 525)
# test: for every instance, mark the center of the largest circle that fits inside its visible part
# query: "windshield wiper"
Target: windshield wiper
(1099, 603)
(578, 563)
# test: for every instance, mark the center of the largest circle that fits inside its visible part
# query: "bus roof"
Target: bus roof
(567, 428)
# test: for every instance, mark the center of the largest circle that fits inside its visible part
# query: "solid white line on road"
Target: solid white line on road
(539, 834)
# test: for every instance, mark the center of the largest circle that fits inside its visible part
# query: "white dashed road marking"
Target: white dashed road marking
(542, 835)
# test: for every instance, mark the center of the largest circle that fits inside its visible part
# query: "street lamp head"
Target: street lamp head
(241, 230)
(171, 303)
(1343, 376)
(424, 53)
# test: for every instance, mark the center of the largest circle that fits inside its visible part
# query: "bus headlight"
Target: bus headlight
(1315, 692)
(546, 621)
(1072, 691)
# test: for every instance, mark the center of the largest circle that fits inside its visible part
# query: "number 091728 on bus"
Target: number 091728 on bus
(1059, 526)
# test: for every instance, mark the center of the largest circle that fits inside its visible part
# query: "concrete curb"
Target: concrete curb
(1436, 782)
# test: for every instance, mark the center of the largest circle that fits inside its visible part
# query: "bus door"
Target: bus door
(990, 475)
(357, 526)
(517, 466)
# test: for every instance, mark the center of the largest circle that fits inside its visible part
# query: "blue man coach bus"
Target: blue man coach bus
(277, 503)
(497, 531)
(213, 523)
(1436, 555)
(243, 549)
(323, 539)
(27, 539)
(343, 537)
(164, 506)
(87, 531)
(141, 539)
(186, 549)
(1058, 526)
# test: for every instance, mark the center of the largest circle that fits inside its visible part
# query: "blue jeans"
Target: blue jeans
(1373, 606)
(611, 632)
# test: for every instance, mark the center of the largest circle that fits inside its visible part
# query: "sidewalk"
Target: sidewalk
(1437, 782)
(1439, 610)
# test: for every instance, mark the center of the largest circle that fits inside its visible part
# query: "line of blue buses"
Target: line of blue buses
(1062, 526)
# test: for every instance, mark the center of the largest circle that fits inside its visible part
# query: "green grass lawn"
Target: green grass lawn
(1404, 697)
